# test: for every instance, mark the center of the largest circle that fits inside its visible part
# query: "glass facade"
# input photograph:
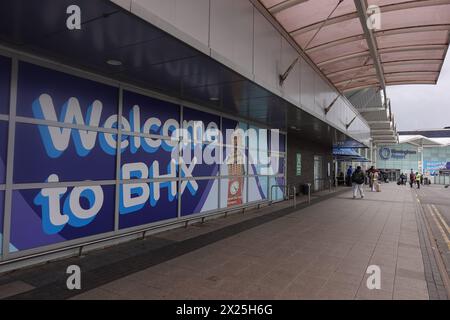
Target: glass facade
(403, 157)
(406, 156)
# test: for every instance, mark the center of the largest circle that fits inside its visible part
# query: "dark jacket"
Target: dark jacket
(358, 177)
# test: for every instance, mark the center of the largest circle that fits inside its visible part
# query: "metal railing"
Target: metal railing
(330, 183)
(442, 179)
(141, 231)
(287, 191)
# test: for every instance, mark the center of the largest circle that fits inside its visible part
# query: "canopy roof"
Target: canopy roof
(408, 49)
(423, 141)
(348, 154)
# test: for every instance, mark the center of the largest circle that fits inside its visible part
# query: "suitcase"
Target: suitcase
(377, 187)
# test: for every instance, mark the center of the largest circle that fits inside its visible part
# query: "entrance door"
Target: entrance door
(318, 173)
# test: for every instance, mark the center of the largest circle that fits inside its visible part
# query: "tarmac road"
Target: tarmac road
(435, 200)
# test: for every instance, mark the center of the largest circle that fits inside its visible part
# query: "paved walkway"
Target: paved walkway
(317, 252)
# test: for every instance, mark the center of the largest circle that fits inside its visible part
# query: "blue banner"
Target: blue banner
(150, 168)
(53, 215)
(34, 163)
(149, 158)
(56, 96)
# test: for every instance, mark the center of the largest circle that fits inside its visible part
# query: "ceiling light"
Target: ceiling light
(112, 62)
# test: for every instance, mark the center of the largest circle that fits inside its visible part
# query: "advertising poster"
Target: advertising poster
(277, 193)
(57, 96)
(149, 158)
(68, 154)
(68, 165)
(433, 167)
(234, 164)
(52, 154)
(277, 142)
(151, 162)
(277, 147)
(259, 164)
(201, 155)
(52, 215)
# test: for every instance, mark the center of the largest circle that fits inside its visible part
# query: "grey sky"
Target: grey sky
(422, 106)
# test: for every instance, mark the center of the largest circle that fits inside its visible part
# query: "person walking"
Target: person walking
(418, 178)
(403, 178)
(349, 176)
(358, 182)
(412, 178)
(369, 175)
(374, 178)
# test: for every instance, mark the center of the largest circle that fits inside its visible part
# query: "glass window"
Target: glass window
(199, 196)
(65, 154)
(56, 96)
(81, 212)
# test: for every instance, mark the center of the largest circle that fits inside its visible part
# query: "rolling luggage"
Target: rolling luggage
(377, 187)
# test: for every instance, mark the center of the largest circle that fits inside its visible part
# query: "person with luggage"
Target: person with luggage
(374, 180)
(358, 182)
(402, 179)
(369, 175)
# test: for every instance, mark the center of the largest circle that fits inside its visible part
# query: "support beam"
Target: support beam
(381, 131)
(393, 74)
(283, 77)
(283, 5)
(368, 110)
(384, 9)
(327, 109)
(384, 32)
(379, 122)
(353, 55)
(383, 137)
(361, 7)
(350, 123)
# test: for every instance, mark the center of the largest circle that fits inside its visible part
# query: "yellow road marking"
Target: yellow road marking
(444, 235)
(441, 218)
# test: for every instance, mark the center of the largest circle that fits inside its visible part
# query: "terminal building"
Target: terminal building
(89, 111)
(424, 151)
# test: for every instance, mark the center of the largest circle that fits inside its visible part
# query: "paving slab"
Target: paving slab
(321, 251)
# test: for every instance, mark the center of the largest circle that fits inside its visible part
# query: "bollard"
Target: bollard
(309, 192)
(295, 197)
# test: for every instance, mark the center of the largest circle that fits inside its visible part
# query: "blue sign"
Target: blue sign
(390, 153)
